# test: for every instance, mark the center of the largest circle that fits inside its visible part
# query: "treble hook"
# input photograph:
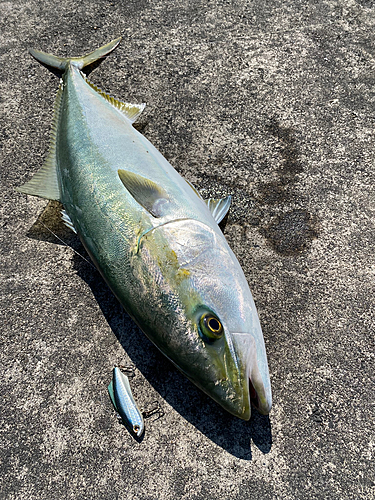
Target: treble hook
(129, 370)
(156, 410)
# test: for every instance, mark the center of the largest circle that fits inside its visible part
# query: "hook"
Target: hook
(155, 410)
(129, 370)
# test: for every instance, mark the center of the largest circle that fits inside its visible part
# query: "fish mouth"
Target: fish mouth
(254, 398)
(259, 399)
(259, 388)
(256, 387)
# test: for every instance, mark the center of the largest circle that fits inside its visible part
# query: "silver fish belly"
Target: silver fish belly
(153, 238)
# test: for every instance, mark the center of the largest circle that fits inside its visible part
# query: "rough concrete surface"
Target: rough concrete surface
(272, 102)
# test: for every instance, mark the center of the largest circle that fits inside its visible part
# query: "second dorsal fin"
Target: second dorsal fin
(131, 111)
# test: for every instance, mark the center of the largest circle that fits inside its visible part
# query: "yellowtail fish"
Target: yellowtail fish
(153, 238)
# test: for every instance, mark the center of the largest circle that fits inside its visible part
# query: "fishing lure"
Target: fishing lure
(123, 401)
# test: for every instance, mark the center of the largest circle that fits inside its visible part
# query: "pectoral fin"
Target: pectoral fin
(147, 193)
(218, 207)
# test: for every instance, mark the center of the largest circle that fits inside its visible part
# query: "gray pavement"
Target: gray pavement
(272, 102)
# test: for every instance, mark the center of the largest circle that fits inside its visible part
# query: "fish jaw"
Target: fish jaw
(237, 385)
(224, 383)
(255, 371)
(246, 383)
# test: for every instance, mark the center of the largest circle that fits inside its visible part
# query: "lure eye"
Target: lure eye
(211, 327)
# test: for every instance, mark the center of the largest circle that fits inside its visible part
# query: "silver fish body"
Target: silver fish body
(155, 241)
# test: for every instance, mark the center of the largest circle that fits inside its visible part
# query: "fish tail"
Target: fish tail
(61, 63)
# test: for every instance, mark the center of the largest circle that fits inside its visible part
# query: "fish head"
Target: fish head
(202, 316)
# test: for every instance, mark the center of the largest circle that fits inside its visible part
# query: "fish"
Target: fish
(153, 238)
(123, 401)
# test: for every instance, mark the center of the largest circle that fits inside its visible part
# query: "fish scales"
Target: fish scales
(155, 241)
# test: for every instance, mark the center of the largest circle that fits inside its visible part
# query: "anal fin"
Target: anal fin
(45, 183)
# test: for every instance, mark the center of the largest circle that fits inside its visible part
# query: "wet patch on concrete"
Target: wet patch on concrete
(291, 232)
(291, 228)
(289, 152)
(281, 190)
(276, 207)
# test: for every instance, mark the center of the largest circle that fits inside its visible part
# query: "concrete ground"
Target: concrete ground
(272, 102)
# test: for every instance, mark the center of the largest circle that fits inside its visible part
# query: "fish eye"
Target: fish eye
(210, 326)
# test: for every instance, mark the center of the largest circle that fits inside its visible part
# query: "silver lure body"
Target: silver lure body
(124, 403)
(155, 241)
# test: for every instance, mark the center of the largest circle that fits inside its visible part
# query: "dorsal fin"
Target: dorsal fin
(218, 207)
(147, 193)
(45, 182)
(131, 111)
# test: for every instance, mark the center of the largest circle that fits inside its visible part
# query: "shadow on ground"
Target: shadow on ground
(229, 432)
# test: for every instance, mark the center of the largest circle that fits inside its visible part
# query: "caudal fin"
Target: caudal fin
(61, 63)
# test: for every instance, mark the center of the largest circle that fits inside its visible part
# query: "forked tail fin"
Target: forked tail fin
(45, 183)
(61, 63)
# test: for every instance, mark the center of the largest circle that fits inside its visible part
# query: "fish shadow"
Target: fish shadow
(231, 433)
